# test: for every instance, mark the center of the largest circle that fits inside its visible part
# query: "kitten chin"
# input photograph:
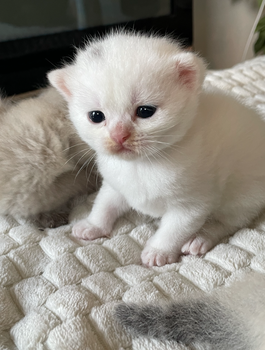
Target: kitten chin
(200, 148)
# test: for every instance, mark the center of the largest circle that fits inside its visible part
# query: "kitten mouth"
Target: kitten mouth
(124, 149)
(121, 149)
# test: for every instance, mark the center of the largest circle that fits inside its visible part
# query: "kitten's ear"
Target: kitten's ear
(59, 79)
(191, 70)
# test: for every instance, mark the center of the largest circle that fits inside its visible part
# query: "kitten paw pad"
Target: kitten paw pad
(197, 245)
(84, 230)
(153, 257)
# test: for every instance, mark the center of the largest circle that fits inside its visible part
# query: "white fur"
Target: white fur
(198, 162)
(246, 301)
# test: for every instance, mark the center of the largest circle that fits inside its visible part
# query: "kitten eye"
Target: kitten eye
(145, 111)
(96, 116)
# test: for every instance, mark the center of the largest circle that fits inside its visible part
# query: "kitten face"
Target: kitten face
(131, 98)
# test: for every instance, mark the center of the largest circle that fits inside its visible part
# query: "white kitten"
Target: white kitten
(42, 160)
(165, 146)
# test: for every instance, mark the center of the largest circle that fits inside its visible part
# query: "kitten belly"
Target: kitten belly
(140, 199)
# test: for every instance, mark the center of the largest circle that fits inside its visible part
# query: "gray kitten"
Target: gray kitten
(43, 162)
(232, 318)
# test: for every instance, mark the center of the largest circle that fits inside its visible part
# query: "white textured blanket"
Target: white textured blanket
(58, 293)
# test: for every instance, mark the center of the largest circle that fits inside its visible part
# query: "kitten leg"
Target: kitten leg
(108, 206)
(209, 235)
(175, 228)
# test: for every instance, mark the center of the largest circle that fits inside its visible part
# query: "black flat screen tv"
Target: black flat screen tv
(37, 36)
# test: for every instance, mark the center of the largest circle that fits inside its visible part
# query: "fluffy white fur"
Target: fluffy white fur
(245, 299)
(42, 159)
(198, 162)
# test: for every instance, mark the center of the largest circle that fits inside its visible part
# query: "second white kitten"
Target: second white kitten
(165, 145)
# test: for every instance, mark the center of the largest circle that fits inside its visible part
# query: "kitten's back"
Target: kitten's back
(37, 156)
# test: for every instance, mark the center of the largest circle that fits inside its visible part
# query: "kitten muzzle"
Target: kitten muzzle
(120, 133)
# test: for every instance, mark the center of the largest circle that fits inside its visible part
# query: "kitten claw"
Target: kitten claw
(198, 245)
(84, 230)
(153, 257)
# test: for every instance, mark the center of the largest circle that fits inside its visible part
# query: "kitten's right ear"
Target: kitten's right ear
(191, 70)
(59, 79)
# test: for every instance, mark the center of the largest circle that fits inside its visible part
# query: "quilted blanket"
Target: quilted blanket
(57, 293)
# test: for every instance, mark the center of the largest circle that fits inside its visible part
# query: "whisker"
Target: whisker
(159, 153)
(166, 156)
(161, 142)
(152, 132)
(75, 154)
(146, 156)
(92, 168)
(87, 162)
(77, 144)
(82, 167)
(169, 146)
(174, 147)
(97, 179)
(87, 152)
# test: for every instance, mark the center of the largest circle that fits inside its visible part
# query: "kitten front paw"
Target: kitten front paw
(154, 257)
(84, 230)
(198, 245)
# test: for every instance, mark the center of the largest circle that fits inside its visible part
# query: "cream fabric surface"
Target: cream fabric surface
(57, 293)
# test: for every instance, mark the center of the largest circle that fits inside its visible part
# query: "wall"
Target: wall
(221, 29)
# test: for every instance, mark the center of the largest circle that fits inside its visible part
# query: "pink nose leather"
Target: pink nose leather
(120, 134)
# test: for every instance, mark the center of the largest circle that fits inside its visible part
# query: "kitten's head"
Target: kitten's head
(131, 95)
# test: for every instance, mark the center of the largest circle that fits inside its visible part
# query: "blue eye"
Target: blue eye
(145, 111)
(96, 116)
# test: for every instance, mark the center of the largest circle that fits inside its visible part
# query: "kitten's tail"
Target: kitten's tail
(234, 319)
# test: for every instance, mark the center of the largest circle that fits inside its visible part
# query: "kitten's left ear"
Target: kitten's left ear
(191, 70)
(59, 79)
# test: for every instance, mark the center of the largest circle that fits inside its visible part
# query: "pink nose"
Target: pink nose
(120, 134)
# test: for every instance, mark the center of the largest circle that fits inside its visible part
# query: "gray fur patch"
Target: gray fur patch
(188, 322)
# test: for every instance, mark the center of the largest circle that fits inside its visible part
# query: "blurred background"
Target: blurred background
(27, 18)
(221, 30)
(37, 35)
